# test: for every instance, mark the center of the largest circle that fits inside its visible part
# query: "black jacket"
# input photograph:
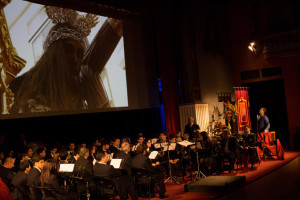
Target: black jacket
(33, 177)
(20, 181)
(86, 166)
(102, 170)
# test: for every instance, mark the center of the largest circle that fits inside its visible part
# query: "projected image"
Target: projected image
(72, 60)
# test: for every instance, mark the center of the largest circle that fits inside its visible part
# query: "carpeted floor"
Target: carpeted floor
(175, 191)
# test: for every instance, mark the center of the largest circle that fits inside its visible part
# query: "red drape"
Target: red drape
(242, 103)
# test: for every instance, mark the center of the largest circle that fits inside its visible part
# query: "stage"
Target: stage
(258, 181)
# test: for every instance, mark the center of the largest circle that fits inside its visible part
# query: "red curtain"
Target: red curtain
(242, 103)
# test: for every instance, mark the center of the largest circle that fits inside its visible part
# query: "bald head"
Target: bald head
(9, 162)
(125, 147)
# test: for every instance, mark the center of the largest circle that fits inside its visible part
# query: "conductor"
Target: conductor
(192, 128)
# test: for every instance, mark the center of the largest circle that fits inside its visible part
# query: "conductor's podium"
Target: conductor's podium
(216, 184)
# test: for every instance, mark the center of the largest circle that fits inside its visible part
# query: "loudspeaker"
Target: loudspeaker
(216, 184)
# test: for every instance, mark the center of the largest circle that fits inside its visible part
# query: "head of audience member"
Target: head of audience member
(178, 134)
(76, 153)
(97, 143)
(140, 140)
(9, 162)
(11, 154)
(25, 166)
(38, 161)
(84, 152)
(72, 146)
(186, 136)
(163, 137)
(24, 156)
(205, 136)
(172, 139)
(83, 145)
(29, 152)
(125, 147)
(148, 143)
(191, 121)
(226, 133)
(125, 139)
(41, 152)
(50, 167)
(104, 145)
(246, 129)
(92, 150)
(141, 149)
(102, 157)
(116, 142)
(63, 155)
(262, 111)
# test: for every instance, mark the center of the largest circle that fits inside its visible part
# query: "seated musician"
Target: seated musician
(50, 179)
(140, 161)
(140, 140)
(187, 154)
(248, 147)
(178, 136)
(229, 150)
(205, 153)
(115, 145)
(102, 169)
(20, 179)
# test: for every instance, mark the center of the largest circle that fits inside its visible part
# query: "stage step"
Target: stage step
(216, 184)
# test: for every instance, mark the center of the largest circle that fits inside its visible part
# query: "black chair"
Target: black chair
(106, 188)
(143, 181)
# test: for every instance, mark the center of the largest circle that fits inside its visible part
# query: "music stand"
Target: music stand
(170, 170)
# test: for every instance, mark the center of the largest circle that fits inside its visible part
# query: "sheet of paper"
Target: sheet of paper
(66, 167)
(170, 146)
(160, 145)
(185, 143)
(153, 155)
(116, 163)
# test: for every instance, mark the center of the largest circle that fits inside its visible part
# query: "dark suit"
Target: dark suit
(141, 161)
(230, 151)
(250, 141)
(263, 123)
(7, 175)
(103, 170)
(20, 182)
(72, 160)
(33, 177)
(32, 182)
(126, 163)
(113, 149)
(191, 129)
(85, 165)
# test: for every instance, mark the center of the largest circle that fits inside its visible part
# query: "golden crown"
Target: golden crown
(82, 24)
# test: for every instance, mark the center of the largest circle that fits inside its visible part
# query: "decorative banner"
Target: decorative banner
(242, 103)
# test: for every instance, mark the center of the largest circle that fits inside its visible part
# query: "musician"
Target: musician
(75, 156)
(191, 127)
(20, 179)
(187, 154)
(140, 161)
(115, 145)
(63, 156)
(249, 145)
(35, 172)
(229, 150)
(49, 178)
(105, 146)
(263, 123)
(205, 153)
(140, 140)
(178, 136)
(101, 169)
(84, 165)
(149, 147)
(6, 173)
(71, 148)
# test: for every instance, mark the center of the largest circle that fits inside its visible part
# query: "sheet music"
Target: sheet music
(153, 155)
(185, 143)
(171, 147)
(68, 167)
(116, 163)
(160, 145)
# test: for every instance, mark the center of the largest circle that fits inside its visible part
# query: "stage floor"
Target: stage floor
(176, 192)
